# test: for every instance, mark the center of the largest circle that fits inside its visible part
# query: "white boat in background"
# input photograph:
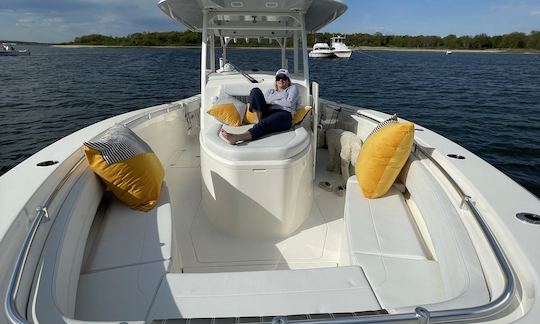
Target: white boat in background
(8, 49)
(321, 50)
(449, 52)
(339, 48)
(244, 234)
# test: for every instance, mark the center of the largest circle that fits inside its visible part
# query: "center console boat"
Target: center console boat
(244, 234)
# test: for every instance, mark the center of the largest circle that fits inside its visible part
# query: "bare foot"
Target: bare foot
(235, 138)
(229, 137)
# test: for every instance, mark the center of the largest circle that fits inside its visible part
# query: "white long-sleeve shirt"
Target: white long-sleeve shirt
(284, 100)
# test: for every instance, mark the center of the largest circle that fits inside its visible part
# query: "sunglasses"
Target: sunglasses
(282, 77)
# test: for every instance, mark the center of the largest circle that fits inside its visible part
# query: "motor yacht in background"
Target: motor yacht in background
(8, 49)
(243, 233)
(339, 48)
(321, 50)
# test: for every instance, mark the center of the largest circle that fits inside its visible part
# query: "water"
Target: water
(488, 103)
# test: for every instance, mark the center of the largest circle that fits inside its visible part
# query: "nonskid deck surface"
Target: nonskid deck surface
(200, 247)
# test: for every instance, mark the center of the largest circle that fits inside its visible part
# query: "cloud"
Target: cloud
(36, 26)
(32, 20)
(63, 20)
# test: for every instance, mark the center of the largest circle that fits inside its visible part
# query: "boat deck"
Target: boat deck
(406, 249)
(202, 248)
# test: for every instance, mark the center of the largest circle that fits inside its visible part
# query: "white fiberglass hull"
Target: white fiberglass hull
(15, 53)
(343, 54)
(321, 54)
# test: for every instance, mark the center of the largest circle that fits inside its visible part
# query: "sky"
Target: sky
(53, 21)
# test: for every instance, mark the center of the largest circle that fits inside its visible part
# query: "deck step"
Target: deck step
(263, 293)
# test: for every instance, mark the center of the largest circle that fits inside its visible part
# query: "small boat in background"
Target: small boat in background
(321, 50)
(8, 49)
(449, 52)
(339, 48)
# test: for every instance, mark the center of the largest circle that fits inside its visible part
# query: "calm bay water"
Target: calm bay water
(488, 103)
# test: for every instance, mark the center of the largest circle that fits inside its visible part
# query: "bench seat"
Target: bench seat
(415, 258)
(128, 237)
(126, 263)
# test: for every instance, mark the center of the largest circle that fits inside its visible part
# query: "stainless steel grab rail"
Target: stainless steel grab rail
(42, 216)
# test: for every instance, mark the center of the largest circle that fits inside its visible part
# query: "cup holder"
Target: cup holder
(456, 156)
(529, 218)
(47, 163)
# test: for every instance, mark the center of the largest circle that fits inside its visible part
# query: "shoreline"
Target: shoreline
(407, 49)
(118, 46)
(443, 50)
(356, 48)
(157, 46)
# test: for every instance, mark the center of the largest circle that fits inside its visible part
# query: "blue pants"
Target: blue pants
(272, 120)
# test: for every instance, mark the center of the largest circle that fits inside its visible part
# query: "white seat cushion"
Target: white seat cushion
(375, 225)
(130, 237)
(383, 240)
(128, 260)
(277, 146)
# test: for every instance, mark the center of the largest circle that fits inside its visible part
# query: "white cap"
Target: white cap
(285, 72)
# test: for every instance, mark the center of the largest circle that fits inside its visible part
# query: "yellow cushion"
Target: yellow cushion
(250, 117)
(128, 167)
(382, 157)
(300, 115)
(226, 113)
(227, 109)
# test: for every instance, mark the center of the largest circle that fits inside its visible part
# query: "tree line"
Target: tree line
(482, 41)
(516, 40)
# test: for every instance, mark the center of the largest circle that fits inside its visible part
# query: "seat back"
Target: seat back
(461, 271)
